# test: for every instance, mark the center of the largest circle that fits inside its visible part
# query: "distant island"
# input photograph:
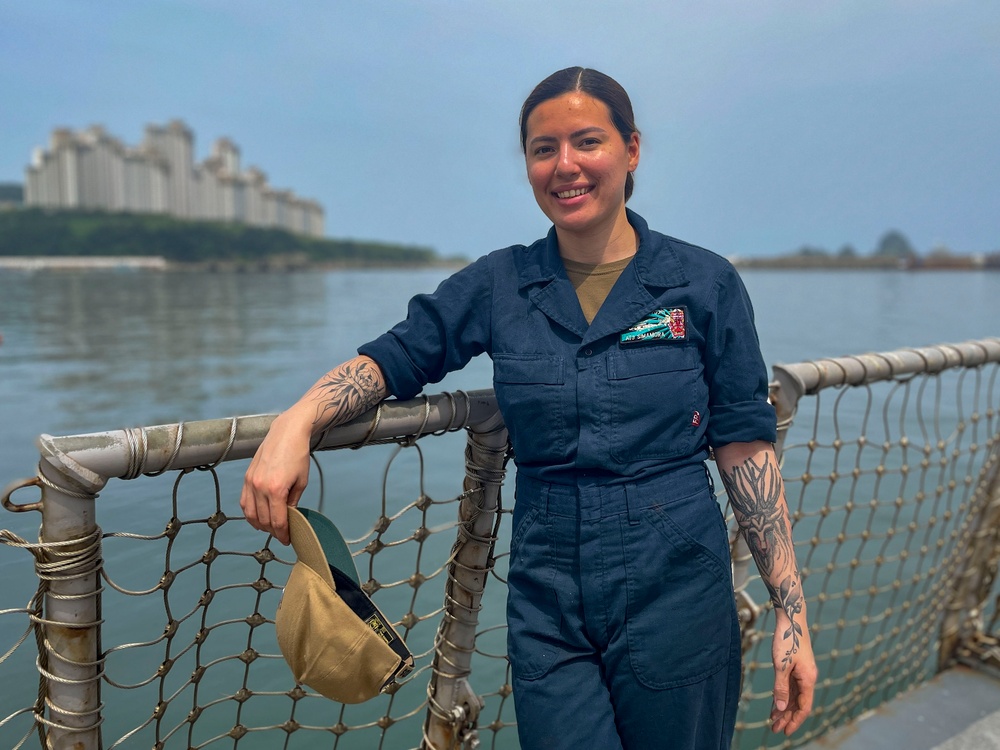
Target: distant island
(893, 252)
(208, 244)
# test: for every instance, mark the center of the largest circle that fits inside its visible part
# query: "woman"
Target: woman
(621, 356)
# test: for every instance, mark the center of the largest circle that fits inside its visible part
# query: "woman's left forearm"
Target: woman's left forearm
(757, 496)
(756, 493)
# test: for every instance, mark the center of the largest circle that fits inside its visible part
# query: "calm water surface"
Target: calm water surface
(91, 351)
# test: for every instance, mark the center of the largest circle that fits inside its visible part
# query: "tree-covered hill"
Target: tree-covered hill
(80, 234)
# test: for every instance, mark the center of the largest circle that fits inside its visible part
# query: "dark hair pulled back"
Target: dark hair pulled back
(592, 82)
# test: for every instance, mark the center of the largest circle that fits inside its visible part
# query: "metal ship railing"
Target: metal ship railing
(891, 465)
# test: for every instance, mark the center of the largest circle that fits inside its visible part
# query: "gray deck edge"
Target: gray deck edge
(959, 709)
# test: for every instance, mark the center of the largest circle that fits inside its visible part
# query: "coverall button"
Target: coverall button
(588, 352)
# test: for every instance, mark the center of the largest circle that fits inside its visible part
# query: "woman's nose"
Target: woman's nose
(566, 165)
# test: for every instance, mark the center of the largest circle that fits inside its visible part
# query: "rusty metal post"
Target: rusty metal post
(453, 706)
(70, 567)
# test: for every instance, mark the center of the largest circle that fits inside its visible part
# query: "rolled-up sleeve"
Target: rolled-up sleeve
(441, 333)
(735, 369)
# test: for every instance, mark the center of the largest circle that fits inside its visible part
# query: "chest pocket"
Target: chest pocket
(654, 393)
(530, 392)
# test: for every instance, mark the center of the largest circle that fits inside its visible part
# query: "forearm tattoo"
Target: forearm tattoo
(789, 598)
(346, 392)
(755, 491)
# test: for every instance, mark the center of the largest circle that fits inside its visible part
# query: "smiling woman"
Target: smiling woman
(621, 357)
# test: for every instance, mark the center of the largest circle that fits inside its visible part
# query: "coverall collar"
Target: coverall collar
(655, 266)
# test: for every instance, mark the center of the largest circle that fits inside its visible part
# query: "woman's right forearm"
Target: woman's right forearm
(348, 390)
(279, 471)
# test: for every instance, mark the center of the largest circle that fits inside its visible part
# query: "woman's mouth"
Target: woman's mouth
(573, 193)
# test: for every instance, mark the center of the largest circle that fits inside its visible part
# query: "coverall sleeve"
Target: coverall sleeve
(441, 333)
(734, 368)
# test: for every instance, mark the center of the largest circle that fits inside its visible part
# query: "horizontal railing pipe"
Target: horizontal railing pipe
(817, 374)
(86, 462)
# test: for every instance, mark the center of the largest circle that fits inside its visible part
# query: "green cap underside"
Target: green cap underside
(338, 554)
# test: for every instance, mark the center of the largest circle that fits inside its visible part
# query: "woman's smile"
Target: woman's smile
(573, 192)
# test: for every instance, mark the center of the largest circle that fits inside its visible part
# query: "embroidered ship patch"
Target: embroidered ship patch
(666, 324)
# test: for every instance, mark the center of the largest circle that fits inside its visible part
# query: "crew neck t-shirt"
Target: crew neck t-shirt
(593, 282)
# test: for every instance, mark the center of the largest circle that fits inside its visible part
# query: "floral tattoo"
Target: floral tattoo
(346, 392)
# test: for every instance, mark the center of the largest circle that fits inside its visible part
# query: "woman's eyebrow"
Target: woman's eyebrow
(574, 134)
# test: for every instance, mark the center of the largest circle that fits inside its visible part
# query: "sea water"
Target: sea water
(91, 351)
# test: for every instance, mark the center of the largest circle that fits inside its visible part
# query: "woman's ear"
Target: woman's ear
(633, 152)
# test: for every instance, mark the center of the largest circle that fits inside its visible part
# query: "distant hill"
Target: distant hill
(48, 232)
(893, 252)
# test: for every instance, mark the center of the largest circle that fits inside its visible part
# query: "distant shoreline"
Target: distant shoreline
(80, 235)
(64, 239)
(34, 263)
(871, 269)
(70, 263)
(792, 263)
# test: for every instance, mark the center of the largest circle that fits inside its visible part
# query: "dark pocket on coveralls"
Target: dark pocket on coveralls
(533, 615)
(655, 390)
(680, 598)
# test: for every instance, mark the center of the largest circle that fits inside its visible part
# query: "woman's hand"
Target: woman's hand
(277, 475)
(795, 675)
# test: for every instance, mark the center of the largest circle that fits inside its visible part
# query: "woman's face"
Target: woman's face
(577, 163)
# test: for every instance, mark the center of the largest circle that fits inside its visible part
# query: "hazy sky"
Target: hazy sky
(766, 124)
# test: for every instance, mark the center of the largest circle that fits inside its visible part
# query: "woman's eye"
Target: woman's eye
(590, 142)
(543, 150)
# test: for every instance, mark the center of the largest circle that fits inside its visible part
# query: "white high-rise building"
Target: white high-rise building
(256, 182)
(102, 170)
(147, 181)
(175, 143)
(93, 170)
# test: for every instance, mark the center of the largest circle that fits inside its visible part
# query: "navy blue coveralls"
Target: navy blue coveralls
(622, 623)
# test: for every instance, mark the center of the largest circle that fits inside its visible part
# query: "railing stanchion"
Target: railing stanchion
(69, 656)
(453, 706)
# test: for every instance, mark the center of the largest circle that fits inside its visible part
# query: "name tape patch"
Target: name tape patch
(665, 324)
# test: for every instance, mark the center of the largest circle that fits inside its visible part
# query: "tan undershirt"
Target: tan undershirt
(593, 282)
